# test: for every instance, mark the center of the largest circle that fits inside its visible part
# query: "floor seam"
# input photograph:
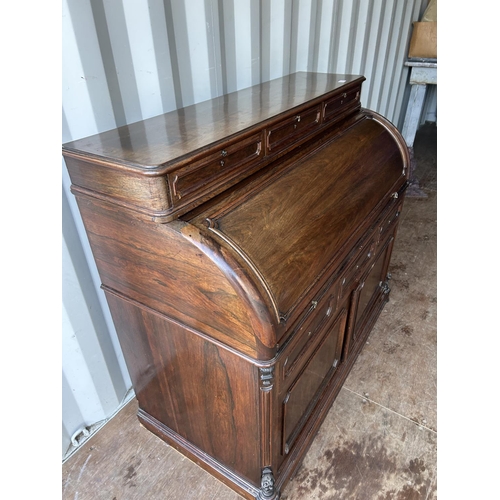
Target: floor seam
(389, 409)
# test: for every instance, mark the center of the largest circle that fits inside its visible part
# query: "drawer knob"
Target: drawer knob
(223, 152)
(314, 304)
(222, 163)
(344, 95)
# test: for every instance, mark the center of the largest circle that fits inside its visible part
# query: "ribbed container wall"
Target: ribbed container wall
(125, 61)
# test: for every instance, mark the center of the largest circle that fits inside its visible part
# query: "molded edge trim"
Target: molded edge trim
(241, 276)
(212, 226)
(396, 134)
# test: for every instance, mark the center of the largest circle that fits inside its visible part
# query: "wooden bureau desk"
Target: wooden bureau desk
(243, 244)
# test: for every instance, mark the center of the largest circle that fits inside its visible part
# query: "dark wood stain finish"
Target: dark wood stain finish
(243, 245)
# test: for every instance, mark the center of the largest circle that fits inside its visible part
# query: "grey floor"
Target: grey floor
(379, 439)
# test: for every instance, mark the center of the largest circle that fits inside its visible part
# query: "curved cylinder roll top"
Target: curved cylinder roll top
(294, 227)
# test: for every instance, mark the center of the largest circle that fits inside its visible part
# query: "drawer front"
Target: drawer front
(192, 181)
(365, 255)
(306, 335)
(340, 103)
(291, 129)
(304, 393)
(371, 283)
(390, 221)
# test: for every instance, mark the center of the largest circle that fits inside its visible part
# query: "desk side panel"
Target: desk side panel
(146, 194)
(202, 392)
(157, 266)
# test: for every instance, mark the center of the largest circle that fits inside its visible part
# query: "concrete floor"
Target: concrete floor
(379, 439)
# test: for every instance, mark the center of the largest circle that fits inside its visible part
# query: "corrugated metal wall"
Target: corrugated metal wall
(125, 60)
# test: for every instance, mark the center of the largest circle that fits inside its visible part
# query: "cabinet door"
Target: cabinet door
(306, 390)
(371, 290)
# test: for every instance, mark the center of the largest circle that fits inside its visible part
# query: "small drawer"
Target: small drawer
(306, 334)
(337, 105)
(292, 129)
(363, 258)
(195, 179)
(389, 222)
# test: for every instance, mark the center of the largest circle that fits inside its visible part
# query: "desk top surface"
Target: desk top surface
(157, 141)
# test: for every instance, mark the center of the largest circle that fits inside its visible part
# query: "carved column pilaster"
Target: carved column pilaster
(266, 378)
(266, 382)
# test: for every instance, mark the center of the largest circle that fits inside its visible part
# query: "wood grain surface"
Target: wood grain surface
(377, 442)
(300, 221)
(154, 142)
(282, 263)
